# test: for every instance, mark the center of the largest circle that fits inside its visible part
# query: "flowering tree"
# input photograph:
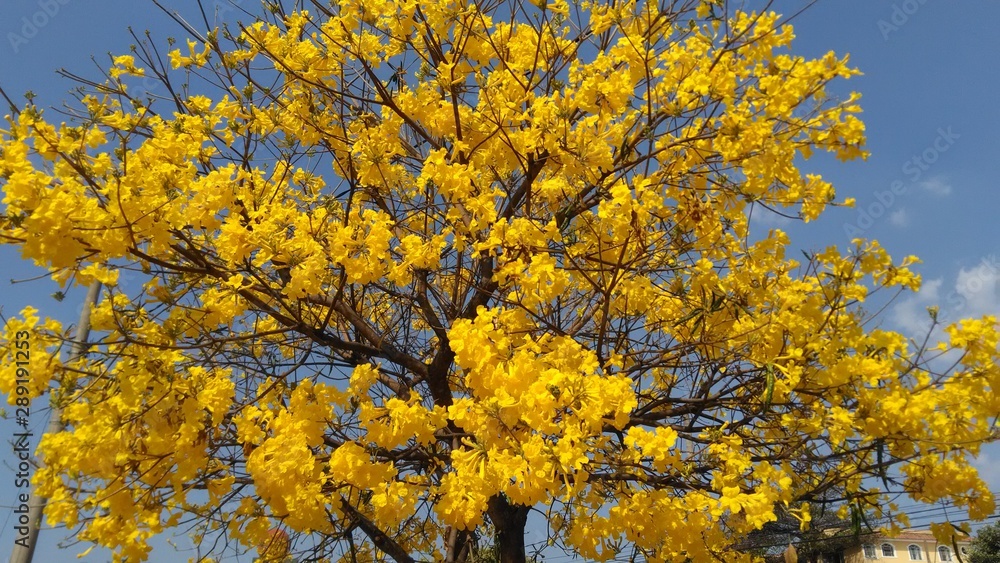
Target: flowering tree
(414, 270)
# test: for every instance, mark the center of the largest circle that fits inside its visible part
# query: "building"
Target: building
(909, 545)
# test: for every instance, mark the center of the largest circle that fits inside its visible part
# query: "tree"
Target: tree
(985, 547)
(415, 270)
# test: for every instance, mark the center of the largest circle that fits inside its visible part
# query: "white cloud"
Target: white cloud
(760, 216)
(911, 315)
(899, 218)
(938, 185)
(974, 292)
(977, 290)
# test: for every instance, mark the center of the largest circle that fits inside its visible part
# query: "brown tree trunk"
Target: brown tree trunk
(509, 521)
(458, 546)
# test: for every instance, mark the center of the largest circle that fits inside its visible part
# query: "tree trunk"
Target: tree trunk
(509, 522)
(458, 546)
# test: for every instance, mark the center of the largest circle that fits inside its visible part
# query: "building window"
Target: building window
(869, 551)
(944, 554)
(915, 552)
(888, 550)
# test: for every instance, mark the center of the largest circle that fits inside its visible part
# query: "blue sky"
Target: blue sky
(931, 73)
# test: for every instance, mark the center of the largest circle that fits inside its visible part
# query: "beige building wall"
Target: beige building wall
(928, 546)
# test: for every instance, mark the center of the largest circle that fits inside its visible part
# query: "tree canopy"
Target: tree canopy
(985, 546)
(412, 274)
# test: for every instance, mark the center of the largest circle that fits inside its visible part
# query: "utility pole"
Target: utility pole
(36, 504)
